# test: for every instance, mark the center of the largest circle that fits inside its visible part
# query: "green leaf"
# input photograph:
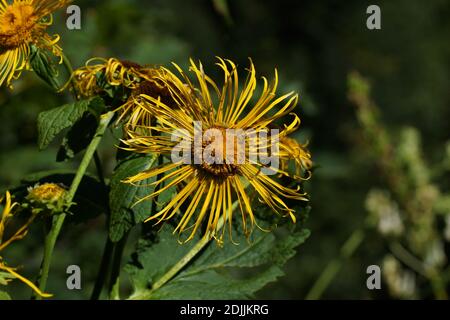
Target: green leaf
(125, 211)
(44, 67)
(154, 257)
(4, 277)
(4, 296)
(212, 275)
(214, 285)
(52, 122)
(78, 137)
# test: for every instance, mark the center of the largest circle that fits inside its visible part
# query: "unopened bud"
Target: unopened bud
(47, 197)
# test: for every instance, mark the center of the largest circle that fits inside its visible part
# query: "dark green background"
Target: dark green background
(314, 44)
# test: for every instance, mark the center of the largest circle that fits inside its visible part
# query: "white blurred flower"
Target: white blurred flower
(435, 256)
(386, 213)
(401, 283)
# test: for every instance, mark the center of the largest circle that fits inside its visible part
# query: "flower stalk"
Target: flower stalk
(58, 220)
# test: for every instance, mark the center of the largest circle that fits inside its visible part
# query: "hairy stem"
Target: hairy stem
(58, 220)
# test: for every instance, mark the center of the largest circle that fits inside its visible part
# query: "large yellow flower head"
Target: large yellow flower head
(207, 191)
(23, 23)
(7, 214)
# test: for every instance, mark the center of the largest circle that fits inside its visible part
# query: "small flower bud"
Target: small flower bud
(47, 197)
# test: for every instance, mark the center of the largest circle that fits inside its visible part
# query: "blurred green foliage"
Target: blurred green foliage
(314, 46)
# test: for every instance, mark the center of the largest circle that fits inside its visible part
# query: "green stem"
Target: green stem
(109, 246)
(180, 264)
(114, 283)
(332, 269)
(68, 66)
(103, 125)
(103, 270)
(58, 220)
(99, 167)
(69, 69)
(407, 258)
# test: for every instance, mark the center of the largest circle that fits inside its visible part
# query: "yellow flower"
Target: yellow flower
(98, 72)
(23, 23)
(99, 75)
(214, 187)
(7, 215)
(291, 150)
(149, 85)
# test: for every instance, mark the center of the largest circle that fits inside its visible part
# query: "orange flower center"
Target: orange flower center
(16, 25)
(227, 157)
